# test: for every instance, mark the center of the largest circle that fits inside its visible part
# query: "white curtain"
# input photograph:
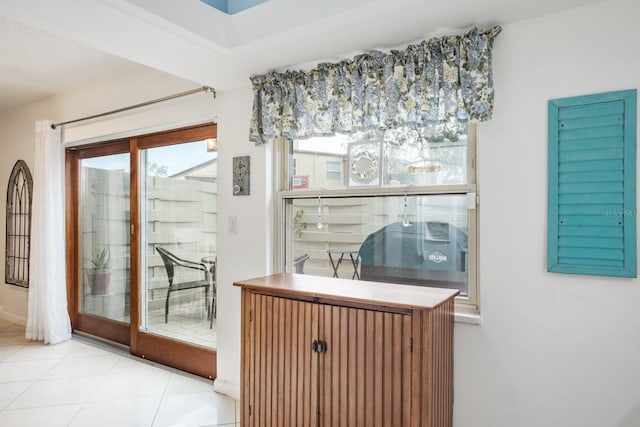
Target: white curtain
(47, 319)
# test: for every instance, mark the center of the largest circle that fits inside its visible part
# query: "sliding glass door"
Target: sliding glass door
(143, 220)
(104, 243)
(178, 241)
(99, 223)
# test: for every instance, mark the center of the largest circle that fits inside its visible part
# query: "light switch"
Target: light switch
(232, 225)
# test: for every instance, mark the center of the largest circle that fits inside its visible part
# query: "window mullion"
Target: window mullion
(377, 191)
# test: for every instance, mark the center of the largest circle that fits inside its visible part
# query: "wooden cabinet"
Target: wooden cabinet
(334, 352)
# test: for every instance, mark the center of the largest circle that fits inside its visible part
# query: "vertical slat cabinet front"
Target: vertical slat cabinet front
(361, 381)
(279, 383)
(439, 396)
(432, 366)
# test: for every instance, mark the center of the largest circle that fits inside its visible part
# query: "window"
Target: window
(404, 211)
(334, 170)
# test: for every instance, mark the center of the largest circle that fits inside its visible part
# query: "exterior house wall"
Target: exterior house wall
(314, 167)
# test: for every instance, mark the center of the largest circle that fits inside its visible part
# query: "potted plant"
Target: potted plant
(99, 273)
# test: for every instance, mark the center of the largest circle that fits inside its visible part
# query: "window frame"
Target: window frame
(282, 160)
(328, 171)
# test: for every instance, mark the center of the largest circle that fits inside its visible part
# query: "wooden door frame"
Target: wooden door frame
(181, 355)
(94, 325)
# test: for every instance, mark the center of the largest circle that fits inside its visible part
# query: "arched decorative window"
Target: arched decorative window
(19, 196)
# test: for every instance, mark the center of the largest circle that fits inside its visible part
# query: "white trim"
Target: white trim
(227, 388)
(468, 318)
(379, 191)
(138, 131)
(172, 114)
(20, 320)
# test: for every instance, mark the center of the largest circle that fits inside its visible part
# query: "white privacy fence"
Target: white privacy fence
(346, 223)
(180, 216)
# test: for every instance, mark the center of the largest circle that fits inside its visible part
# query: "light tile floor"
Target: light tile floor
(84, 383)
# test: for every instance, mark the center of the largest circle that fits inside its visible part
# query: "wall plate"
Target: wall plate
(241, 175)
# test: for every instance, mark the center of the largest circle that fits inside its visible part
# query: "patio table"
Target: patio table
(340, 256)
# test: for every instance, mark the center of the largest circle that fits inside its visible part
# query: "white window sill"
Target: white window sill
(468, 318)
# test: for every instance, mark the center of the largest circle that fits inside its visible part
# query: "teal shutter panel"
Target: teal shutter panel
(592, 184)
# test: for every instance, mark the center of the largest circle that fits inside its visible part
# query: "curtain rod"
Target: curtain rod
(143, 104)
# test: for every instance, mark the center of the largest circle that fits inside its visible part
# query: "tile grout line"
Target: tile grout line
(104, 378)
(164, 393)
(4, 408)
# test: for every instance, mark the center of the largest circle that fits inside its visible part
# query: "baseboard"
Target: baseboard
(13, 318)
(227, 388)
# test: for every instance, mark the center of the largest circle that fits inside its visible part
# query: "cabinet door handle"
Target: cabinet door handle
(319, 346)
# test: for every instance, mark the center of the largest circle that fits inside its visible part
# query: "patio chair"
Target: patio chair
(170, 263)
(298, 263)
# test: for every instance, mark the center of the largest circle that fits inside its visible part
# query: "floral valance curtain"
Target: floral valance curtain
(445, 81)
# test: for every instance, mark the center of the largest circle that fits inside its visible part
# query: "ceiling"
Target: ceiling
(47, 48)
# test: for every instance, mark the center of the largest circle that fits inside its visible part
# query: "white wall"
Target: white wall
(248, 252)
(17, 133)
(552, 349)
